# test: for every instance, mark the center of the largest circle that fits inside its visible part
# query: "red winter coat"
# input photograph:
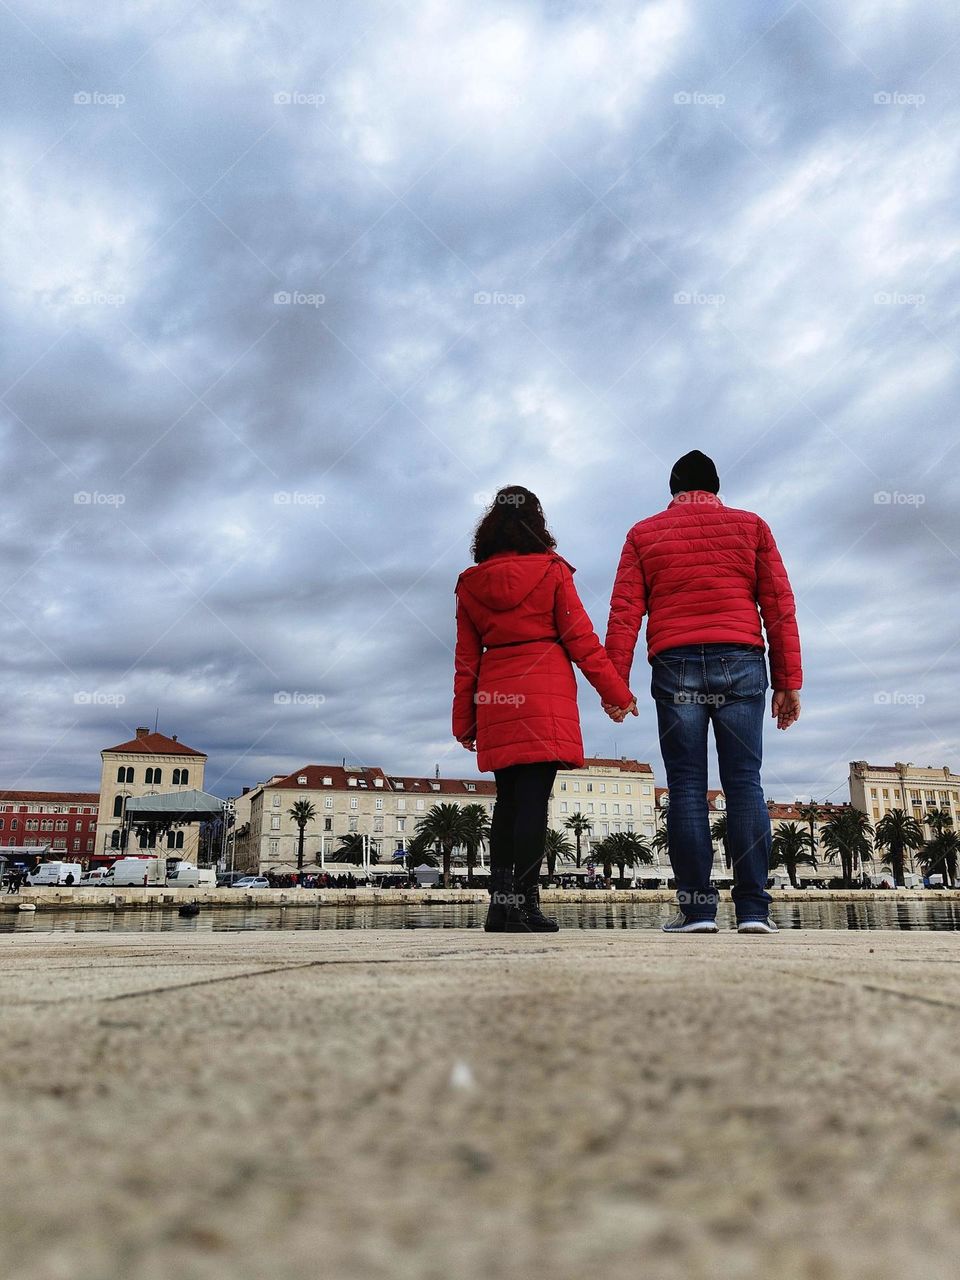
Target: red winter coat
(700, 570)
(520, 701)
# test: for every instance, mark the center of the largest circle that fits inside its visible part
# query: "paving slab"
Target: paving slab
(367, 1104)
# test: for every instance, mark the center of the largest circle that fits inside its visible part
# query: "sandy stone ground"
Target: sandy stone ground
(448, 1105)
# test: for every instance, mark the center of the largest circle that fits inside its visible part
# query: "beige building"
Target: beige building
(149, 764)
(878, 788)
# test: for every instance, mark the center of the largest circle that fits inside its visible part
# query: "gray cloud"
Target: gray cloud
(427, 154)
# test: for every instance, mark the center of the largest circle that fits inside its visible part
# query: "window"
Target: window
(354, 802)
(46, 824)
(401, 824)
(184, 777)
(886, 793)
(327, 780)
(419, 804)
(615, 788)
(61, 825)
(628, 808)
(379, 802)
(589, 786)
(873, 792)
(276, 801)
(59, 843)
(328, 824)
(646, 789)
(576, 786)
(352, 822)
(563, 806)
(14, 823)
(401, 802)
(275, 822)
(616, 808)
(602, 786)
(328, 802)
(648, 809)
(603, 808)
(590, 806)
(32, 824)
(563, 786)
(174, 839)
(378, 823)
(118, 807)
(89, 846)
(471, 786)
(274, 848)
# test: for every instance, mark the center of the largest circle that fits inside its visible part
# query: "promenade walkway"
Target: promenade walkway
(443, 1104)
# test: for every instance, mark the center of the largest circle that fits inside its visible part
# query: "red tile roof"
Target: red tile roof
(315, 774)
(155, 744)
(623, 764)
(50, 797)
(444, 786)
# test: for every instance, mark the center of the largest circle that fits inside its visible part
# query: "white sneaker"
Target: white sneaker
(680, 924)
(757, 926)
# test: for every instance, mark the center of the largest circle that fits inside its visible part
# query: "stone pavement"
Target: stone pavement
(451, 1106)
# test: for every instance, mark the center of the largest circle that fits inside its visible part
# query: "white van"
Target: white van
(56, 873)
(99, 875)
(186, 876)
(139, 871)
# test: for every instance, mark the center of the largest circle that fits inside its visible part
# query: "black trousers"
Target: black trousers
(518, 827)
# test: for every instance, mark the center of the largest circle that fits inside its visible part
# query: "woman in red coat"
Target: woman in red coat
(520, 628)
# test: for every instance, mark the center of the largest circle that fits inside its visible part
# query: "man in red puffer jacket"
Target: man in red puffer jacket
(705, 575)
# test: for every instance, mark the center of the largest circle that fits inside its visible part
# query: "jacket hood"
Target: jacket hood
(505, 580)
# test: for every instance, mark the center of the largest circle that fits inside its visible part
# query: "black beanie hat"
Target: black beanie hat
(694, 471)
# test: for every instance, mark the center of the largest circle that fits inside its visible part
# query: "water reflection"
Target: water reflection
(933, 913)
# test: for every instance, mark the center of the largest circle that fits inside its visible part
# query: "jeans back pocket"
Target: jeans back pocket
(745, 674)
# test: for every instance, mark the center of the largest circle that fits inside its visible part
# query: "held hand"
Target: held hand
(785, 707)
(618, 714)
(469, 743)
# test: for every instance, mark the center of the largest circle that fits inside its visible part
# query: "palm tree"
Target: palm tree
(661, 841)
(789, 847)
(943, 849)
(625, 849)
(810, 814)
(352, 849)
(445, 828)
(302, 812)
(419, 853)
(580, 826)
(555, 846)
(719, 832)
(847, 835)
(477, 822)
(897, 832)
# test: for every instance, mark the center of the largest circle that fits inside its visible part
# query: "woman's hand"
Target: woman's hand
(618, 714)
(470, 744)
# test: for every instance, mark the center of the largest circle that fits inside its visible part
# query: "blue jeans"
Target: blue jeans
(694, 685)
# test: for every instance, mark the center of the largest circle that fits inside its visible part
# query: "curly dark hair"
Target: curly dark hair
(514, 521)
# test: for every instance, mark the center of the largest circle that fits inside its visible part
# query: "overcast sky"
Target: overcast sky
(282, 492)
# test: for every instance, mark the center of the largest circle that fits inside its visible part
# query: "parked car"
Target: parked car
(187, 876)
(251, 882)
(99, 875)
(226, 879)
(55, 873)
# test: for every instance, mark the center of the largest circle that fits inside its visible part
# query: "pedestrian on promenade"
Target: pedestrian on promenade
(520, 627)
(705, 575)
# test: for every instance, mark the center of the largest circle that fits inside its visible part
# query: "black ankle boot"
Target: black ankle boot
(533, 917)
(504, 915)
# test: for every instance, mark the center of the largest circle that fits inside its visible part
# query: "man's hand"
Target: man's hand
(469, 743)
(618, 714)
(785, 707)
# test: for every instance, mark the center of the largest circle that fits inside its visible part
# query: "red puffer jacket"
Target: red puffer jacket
(519, 624)
(700, 569)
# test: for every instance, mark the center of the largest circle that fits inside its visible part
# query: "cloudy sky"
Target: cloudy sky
(289, 289)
